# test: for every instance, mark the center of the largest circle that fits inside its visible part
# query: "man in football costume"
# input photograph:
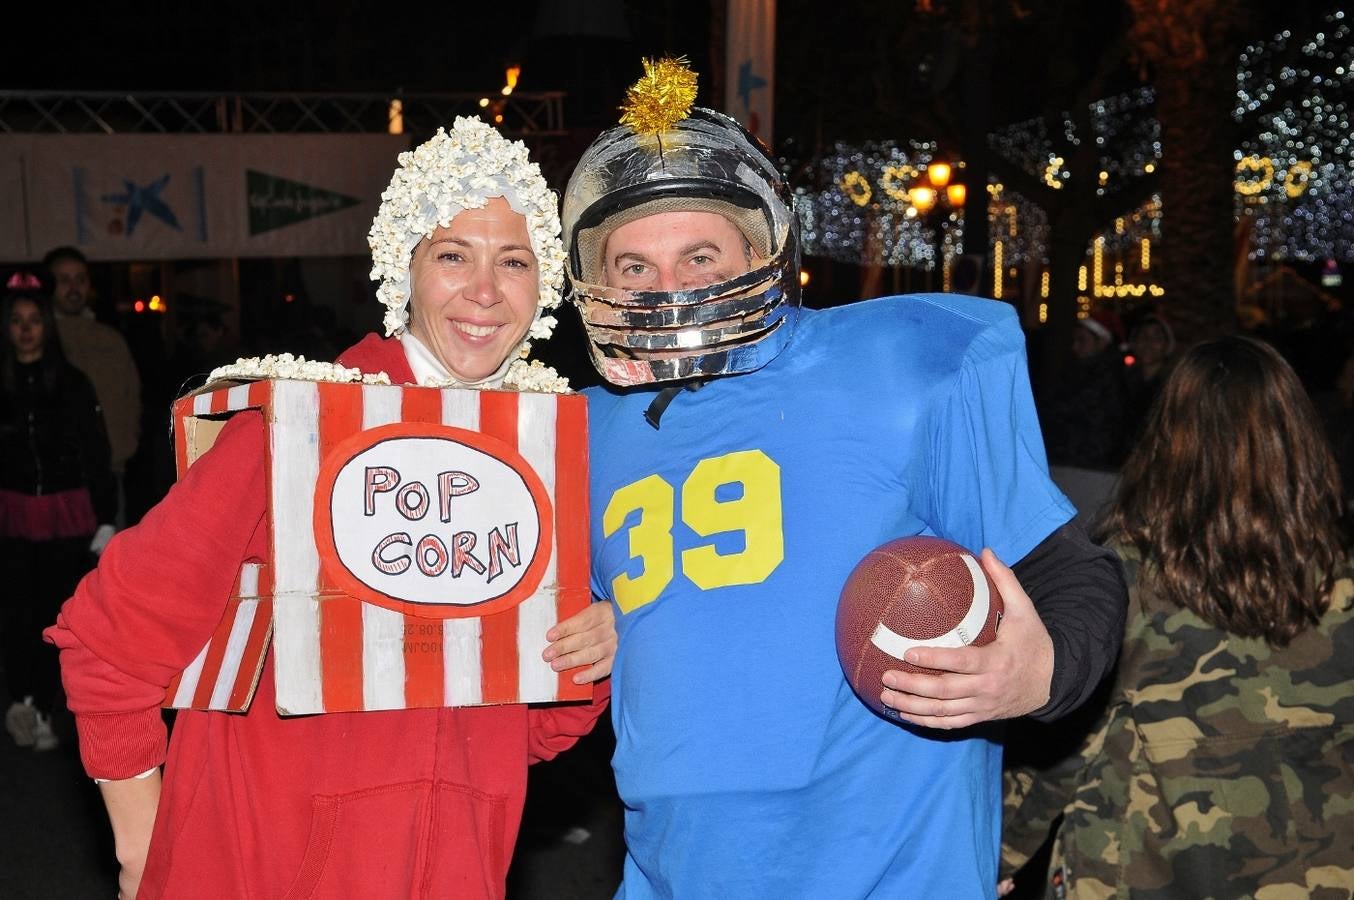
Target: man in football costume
(745, 455)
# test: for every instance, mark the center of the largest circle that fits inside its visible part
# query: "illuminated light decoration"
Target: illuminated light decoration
(855, 186)
(1043, 313)
(957, 194)
(156, 304)
(938, 173)
(1098, 262)
(804, 277)
(1293, 108)
(998, 269)
(395, 117)
(1054, 174)
(510, 80)
(1295, 180)
(857, 208)
(1253, 175)
(484, 102)
(894, 182)
(139, 306)
(1043, 283)
(498, 119)
(923, 198)
(1130, 359)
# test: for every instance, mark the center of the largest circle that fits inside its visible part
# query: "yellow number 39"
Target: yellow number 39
(756, 513)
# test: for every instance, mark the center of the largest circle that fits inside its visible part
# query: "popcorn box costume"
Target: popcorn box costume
(423, 801)
(423, 541)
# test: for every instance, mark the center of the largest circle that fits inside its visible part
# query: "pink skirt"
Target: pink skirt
(46, 517)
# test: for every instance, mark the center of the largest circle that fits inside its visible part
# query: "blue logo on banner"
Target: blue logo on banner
(135, 201)
(748, 81)
(144, 198)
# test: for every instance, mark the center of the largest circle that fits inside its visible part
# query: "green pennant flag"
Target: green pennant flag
(277, 202)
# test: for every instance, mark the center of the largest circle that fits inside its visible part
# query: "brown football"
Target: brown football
(912, 591)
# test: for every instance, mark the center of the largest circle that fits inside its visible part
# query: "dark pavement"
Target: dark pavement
(55, 843)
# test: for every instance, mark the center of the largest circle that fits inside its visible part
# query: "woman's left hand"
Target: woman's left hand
(586, 639)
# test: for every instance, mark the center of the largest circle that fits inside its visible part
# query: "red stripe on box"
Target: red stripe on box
(498, 633)
(340, 616)
(257, 643)
(571, 520)
(183, 409)
(172, 690)
(423, 667)
(216, 651)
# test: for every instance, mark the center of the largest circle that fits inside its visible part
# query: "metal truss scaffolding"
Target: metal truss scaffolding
(523, 115)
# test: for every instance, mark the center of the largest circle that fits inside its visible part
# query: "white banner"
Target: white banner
(149, 197)
(750, 65)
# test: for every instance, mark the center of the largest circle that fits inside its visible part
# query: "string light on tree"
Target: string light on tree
(1294, 179)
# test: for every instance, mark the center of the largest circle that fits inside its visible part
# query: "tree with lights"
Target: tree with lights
(1188, 52)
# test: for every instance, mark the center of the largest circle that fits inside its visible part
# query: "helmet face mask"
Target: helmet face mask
(704, 163)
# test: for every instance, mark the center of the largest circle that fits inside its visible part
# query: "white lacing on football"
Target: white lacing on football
(961, 635)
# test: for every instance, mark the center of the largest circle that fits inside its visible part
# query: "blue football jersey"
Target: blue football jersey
(747, 766)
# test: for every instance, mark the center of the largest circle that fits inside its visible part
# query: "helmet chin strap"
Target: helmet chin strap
(663, 399)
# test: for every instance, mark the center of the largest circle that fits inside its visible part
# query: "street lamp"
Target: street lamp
(925, 198)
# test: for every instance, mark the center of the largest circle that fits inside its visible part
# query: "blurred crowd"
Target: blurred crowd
(85, 439)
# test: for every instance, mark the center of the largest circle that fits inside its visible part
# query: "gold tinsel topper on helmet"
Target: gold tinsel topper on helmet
(662, 98)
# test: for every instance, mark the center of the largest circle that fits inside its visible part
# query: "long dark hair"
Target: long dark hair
(53, 359)
(1233, 493)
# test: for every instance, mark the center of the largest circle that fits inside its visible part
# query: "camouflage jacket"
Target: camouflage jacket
(1220, 768)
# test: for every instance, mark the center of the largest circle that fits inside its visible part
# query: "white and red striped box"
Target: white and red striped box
(423, 542)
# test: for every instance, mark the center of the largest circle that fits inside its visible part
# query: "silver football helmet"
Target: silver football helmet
(709, 163)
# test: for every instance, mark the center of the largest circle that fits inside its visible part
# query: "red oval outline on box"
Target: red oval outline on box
(338, 573)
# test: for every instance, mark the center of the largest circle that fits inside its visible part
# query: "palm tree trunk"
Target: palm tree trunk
(1192, 49)
(1197, 171)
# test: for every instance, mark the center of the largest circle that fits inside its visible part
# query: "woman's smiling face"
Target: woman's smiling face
(474, 289)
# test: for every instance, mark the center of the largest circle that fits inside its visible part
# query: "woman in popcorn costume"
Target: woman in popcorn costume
(400, 803)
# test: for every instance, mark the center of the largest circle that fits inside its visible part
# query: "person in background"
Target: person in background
(100, 352)
(1151, 342)
(1083, 418)
(1082, 414)
(1222, 764)
(57, 499)
(409, 803)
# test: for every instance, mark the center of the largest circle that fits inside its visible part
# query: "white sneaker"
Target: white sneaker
(20, 720)
(43, 737)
